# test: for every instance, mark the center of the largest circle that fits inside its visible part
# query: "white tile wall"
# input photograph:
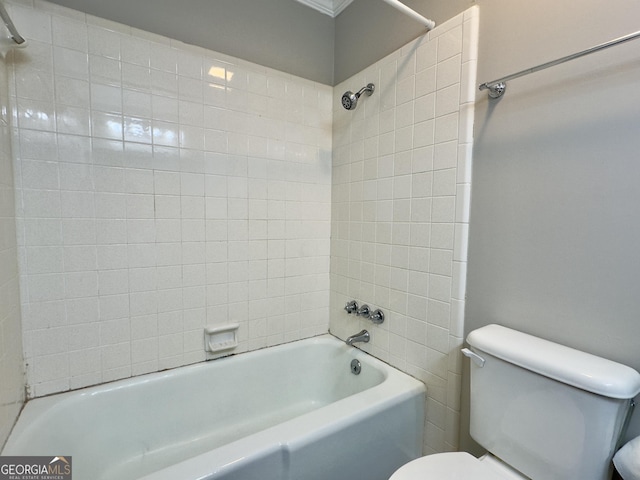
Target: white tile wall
(160, 188)
(11, 362)
(400, 212)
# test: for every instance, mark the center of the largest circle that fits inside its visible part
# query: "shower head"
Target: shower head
(350, 99)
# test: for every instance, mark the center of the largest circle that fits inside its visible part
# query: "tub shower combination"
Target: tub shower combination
(295, 411)
(314, 409)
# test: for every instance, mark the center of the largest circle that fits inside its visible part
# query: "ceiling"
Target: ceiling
(328, 7)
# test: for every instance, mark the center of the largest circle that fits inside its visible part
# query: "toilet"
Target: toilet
(543, 411)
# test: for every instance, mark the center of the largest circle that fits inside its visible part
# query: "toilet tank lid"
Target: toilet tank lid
(573, 367)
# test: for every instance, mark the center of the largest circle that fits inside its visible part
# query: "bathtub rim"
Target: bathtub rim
(48, 401)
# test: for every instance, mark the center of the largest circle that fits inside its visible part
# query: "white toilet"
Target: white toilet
(542, 410)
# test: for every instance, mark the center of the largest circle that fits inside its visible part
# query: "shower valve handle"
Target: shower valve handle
(377, 317)
(351, 307)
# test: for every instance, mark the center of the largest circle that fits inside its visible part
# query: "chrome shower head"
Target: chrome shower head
(350, 99)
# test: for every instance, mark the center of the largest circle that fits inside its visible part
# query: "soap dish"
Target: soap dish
(221, 338)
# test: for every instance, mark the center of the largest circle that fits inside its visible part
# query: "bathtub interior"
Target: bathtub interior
(133, 427)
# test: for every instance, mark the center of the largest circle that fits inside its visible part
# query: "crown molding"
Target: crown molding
(328, 7)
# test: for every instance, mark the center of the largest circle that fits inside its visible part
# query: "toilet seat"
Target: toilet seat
(455, 466)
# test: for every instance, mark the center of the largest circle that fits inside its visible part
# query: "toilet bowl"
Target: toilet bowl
(456, 466)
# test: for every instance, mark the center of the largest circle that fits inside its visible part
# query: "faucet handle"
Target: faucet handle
(351, 307)
(363, 311)
(377, 317)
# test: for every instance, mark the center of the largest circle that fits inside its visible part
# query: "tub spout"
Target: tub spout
(362, 336)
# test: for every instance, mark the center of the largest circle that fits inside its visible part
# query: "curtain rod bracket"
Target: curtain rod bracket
(496, 90)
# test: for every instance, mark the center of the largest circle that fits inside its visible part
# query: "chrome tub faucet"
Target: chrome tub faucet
(362, 336)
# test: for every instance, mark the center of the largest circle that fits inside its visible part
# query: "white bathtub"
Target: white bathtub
(289, 412)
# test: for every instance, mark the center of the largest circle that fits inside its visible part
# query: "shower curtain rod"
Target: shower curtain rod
(10, 26)
(498, 87)
(430, 24)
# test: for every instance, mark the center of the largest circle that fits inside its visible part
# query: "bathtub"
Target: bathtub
(295, 411)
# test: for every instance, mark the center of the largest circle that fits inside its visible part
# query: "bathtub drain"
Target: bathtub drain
(356, 368)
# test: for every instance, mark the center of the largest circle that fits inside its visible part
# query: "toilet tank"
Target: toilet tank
(549, 411)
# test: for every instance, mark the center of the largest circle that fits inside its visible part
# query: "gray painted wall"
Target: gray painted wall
(555, 212)
(281, 34)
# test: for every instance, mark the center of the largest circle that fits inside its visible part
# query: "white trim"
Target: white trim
(339, 6)
(328, 7)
